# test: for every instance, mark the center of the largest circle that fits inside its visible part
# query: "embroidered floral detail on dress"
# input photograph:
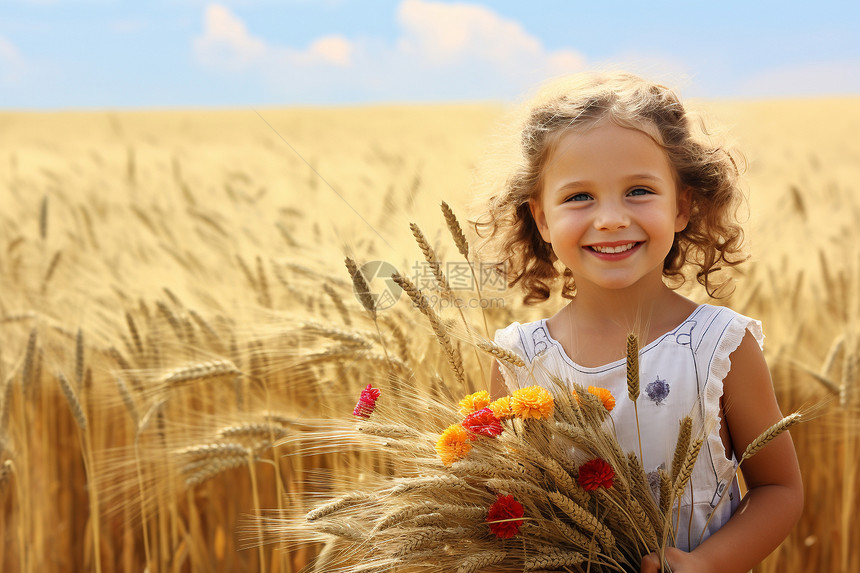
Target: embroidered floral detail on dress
(540, 340)
(657, 391)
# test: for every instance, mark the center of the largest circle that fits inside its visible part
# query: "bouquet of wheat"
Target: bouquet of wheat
(534, 481)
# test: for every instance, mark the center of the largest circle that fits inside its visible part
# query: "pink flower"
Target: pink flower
(366, 402)
(483, 422)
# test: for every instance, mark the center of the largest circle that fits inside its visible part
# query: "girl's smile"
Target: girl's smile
(614, 251)
(610, 206)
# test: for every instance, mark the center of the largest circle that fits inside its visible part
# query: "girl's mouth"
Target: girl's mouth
(615, 252)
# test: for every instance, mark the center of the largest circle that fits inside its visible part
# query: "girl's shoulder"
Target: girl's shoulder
(519, 337)
(721, 329)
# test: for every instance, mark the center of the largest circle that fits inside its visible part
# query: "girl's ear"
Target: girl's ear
(685, 199)
(540, 219)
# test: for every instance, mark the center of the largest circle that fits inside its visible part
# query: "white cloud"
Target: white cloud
(11, 62)
(441, 34)
(226, 42)
(443, 50)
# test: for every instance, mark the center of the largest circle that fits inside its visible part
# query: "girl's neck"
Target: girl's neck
(637, 308)
(592, 329)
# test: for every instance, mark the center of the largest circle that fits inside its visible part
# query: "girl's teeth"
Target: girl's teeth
(618, 249)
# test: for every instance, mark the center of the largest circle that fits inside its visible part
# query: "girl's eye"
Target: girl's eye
(579, 197)
(639, 191)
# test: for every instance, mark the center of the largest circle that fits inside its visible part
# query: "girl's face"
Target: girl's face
(610, 206)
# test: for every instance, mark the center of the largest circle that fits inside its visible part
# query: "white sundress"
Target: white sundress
(681, 373)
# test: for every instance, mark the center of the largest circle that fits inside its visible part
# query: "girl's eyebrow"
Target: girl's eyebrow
(582, 184)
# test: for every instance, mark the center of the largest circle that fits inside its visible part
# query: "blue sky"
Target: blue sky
(229, 53)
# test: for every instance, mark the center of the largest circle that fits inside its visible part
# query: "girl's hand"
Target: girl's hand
(678, 561)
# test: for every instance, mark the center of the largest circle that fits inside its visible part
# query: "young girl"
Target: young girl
(615, 196)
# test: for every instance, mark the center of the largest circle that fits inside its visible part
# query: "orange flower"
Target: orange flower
(474, 402)
(532, 402)
(453, 444)
(502, 408)
(604, 395)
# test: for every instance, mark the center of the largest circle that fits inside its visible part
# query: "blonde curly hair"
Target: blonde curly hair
(711, 241)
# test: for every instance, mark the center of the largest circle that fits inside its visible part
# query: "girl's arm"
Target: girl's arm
(497, 383)
(774, 500)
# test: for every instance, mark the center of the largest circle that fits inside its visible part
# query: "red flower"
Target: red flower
(366, 402)
(595, 474)
(483, 422)
(504, 517)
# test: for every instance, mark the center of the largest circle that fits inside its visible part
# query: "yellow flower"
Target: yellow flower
(604, 395)
(474, 402)
(502, 408)
(453, 444)
(532, 402)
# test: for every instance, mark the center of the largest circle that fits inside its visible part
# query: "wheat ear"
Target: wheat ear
(552, 559)
(478, 561)
(72, 399)
(686, 469)
(500, 353)
(753, 448)
(27, 372)
(432, 260)
(342, 502)
(463, 246)
(770, 434)
(442, 282)
(633, 380)
(362, 289)
(683, 444)
(456, 230)
(421, 302)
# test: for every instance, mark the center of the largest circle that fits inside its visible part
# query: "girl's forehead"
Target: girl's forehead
(646, 127)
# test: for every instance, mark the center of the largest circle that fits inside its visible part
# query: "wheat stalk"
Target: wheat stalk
(421, 302)
(552, 559)
(135, 335)
(478, 561)
(584, 519)
(72, 399)
(79, 358)
(338, 303)
(500, 353)
(463, 246)
(432, 260)
(633, 380)
(440, 482)
(682, 445)
(52, 268)
(362, 289)
(456, 230)
(27, 371)
(686, 469)
(342, 502)
(200, 371)
(263, 283)
(770, 434)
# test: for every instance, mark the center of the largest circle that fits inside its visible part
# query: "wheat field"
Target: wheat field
(175, 313)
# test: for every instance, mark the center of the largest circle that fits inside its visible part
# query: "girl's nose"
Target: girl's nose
(611, 216)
